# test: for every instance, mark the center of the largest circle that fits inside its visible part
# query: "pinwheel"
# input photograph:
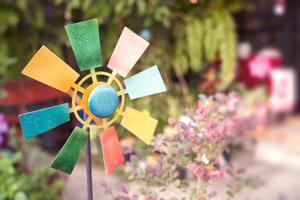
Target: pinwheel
(99, 94)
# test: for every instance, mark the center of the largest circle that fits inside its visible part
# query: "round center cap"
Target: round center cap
(103, 101)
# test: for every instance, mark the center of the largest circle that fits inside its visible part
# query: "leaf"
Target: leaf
(39, 17)
(58, 2)
(180, 57)
(86, 4)
(119, 6)
(227, 51)
(211, 39)
(20, 196)
(194, 37)
(22, 5)
(141, 7)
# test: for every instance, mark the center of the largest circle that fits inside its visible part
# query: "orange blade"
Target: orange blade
(49, 69)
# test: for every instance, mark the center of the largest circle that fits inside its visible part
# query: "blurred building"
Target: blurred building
(273, 24)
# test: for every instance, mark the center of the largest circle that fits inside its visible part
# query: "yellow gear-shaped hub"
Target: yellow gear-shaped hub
(98, 99)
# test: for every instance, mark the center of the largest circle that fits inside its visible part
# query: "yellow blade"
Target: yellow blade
(49, 69)
(140, 124)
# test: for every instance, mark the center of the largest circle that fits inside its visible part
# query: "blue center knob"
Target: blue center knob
(103, 101)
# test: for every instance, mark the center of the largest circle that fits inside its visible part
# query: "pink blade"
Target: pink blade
(127, 52)
(112, 153)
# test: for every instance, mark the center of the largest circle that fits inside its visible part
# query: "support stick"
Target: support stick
(89, 169)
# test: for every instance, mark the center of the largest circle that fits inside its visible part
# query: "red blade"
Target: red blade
(111, 149)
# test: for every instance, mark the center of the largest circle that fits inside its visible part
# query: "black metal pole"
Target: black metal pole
(89, 169)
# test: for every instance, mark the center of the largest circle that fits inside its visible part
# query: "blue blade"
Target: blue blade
(145, 83)
(37, 122)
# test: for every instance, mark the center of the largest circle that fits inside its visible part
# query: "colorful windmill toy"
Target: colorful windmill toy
(100, 95)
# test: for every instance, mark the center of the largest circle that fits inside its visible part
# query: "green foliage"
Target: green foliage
(227, 50)
(195, 35)
(188, 33)
(239, 183)
(8, 18)
(210, 41)
(17, 185)
(181, 62)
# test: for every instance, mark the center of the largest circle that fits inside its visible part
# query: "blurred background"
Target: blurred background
(204, 49)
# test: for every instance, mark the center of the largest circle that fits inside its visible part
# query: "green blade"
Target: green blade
(85, 41)
(37, 122)
(69, 154)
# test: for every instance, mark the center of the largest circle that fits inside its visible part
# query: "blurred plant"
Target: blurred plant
(24, 173)
(119, 192)
(16, 184)
(210, 82)
(195, 146)
(33, 154)
(238, 182)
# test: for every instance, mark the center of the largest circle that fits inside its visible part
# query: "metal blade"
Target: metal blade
(85, 41)
(49, 69)
(112, 153)
(145, 83)
(140, 124)
(37, 122)
(127, 52)
(69, 154)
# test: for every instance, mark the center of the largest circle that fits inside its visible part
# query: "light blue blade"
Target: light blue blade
(145, 83)
(37, 122)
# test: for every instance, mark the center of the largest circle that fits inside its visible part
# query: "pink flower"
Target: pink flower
(233, 103)
(171, 120)
(260, 67)
(3, 125)
(3, 128)
(221, 174)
